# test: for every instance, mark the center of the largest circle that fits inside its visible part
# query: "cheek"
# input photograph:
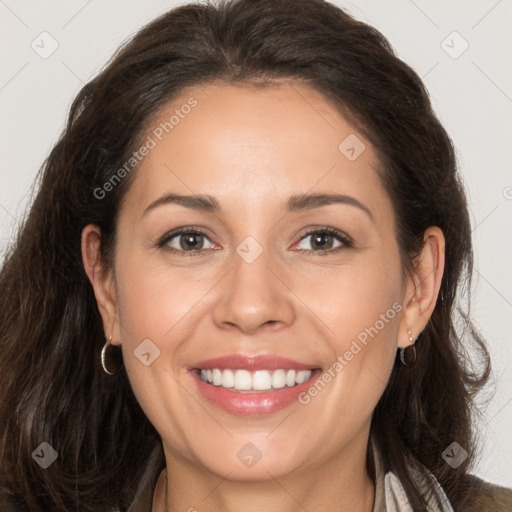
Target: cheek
(361, 306)
(363, 348)
(154, 309)
(363, 295)
(158, 310)
(154, 300)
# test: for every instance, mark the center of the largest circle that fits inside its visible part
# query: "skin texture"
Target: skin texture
(251, 149)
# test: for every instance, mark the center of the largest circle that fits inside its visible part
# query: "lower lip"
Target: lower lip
(257, 403)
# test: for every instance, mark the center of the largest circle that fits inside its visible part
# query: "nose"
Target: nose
(254, 296)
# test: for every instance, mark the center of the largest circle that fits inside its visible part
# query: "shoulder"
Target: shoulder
(482, 496)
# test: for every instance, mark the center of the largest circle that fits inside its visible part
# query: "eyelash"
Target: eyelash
(192, 230)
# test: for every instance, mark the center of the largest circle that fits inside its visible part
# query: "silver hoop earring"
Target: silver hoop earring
(111, 358)
(408, 354)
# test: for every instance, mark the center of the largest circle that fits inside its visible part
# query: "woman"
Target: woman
(235, 288)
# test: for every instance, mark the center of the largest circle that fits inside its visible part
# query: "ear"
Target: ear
(422, 287)
(102, 281)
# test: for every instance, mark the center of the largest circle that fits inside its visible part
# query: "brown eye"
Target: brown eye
(324, 240)
(185, 241)
(192, 241)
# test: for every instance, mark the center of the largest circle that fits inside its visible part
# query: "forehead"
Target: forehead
(248, 146)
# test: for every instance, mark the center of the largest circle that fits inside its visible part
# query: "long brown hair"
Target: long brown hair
(52, 388)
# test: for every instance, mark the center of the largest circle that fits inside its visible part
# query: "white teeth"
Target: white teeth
(243, 380)
(278, 379)
(228, 379)
(302, 376)
(290, 378)
(259, 380)
(217, 377)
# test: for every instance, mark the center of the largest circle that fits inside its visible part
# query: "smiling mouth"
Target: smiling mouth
(258, 380)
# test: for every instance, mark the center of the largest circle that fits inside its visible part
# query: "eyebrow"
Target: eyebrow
(309, 201)
(295, 203)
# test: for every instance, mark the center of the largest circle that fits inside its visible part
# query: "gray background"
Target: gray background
(471, 93)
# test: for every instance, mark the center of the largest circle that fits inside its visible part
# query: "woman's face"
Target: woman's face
(254, 283)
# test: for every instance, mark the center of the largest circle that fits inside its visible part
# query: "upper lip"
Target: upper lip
(255, 362)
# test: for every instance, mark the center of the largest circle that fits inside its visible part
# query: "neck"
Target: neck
(340, 484)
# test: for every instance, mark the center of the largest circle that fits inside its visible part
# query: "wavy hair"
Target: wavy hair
(52, 387)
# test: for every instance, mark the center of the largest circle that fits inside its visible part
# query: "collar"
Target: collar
(390, 495)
